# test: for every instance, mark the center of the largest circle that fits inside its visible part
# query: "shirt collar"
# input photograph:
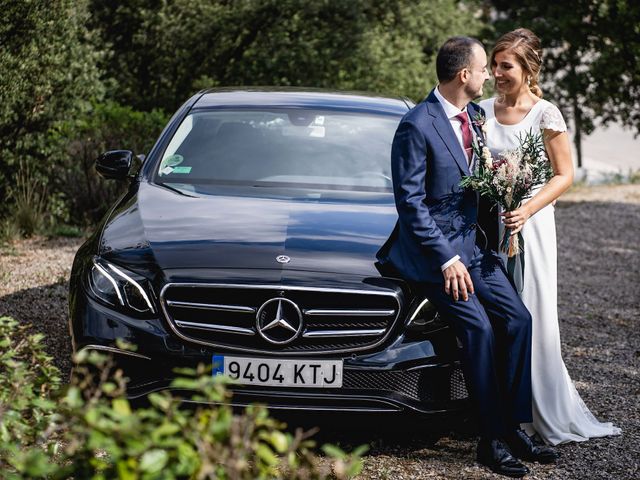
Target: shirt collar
(450, 110)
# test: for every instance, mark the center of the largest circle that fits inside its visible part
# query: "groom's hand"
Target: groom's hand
(457, 281)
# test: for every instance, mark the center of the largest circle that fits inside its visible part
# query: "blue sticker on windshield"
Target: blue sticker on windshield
(181, 170)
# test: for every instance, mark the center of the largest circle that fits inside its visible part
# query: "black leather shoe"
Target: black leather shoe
(523, 446)
(496, 455)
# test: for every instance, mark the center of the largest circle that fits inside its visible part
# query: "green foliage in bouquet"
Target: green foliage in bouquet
(534, 155)
(509, 178)
(89, 430)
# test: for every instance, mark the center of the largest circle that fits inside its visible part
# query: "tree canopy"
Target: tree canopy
(591, 67)
(164, 51)
(72, 70)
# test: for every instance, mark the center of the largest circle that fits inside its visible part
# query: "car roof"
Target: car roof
(299, 97)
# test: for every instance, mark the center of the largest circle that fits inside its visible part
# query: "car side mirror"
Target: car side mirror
(115, 164)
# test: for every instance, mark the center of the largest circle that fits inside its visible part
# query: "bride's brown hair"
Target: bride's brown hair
(525, 45)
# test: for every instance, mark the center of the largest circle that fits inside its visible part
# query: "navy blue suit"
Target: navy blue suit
(438, 220)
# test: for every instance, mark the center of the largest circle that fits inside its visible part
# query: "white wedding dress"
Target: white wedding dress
(559, 414)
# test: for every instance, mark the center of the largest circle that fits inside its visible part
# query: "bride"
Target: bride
(559, 414)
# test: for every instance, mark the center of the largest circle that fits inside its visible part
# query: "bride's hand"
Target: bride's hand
(516, 219)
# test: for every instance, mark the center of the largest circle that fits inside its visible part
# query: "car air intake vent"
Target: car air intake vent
(435, 384)
(284, 319)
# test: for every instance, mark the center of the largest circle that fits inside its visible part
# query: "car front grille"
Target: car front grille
(315, 320)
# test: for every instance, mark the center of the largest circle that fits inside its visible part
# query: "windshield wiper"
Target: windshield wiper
(174, 189)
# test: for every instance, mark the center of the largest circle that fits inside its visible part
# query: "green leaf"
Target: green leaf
(153, 461)
(164, 430)
(74, 397)
(92, 416)
(360, 450)
(266, 455)
(188, 372)
(160, 401)
(354, 468)
(334, 451)
(81, 356)
(186, 383)
(36, 464)
(279, 440)
(124, 345)
(121, 406)
(125, 471)
(108, 387)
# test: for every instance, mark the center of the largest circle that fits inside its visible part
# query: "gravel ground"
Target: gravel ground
(599, 305)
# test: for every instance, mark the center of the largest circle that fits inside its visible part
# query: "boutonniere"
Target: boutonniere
(480, 121)
(480, 149)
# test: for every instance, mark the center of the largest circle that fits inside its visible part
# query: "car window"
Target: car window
(301, 147)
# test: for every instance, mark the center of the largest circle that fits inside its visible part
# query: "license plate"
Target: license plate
(280, 373)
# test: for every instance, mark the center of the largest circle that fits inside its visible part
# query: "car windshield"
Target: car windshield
(295, 147)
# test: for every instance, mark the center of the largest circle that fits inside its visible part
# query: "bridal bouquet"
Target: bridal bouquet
(509, 178)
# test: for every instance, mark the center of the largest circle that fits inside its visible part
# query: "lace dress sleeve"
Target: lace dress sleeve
(552, 119)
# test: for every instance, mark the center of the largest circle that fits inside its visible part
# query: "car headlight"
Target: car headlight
(424, 317)
(119, 287)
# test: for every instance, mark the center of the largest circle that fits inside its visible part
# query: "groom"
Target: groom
(434, 246)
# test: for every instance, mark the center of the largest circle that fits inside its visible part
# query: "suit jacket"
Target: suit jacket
(437, 219)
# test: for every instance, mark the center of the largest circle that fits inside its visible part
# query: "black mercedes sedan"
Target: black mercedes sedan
(247, 241)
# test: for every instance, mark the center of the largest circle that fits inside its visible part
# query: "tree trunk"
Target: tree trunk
(577, 138)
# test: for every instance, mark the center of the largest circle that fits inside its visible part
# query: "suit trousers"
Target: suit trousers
(494, 328)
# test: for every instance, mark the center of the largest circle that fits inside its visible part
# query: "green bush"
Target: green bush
(42, 196)
(88, 429)
(49, 62)
(107, 126)
(28, 418)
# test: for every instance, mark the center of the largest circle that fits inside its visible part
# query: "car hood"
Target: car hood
(176, 227)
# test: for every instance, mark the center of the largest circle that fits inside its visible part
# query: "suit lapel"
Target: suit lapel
(443, 127)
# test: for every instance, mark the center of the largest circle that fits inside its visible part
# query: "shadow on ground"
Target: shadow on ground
(44, 310)
(382, 431)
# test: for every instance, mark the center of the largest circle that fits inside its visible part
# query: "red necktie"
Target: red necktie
(466, 134)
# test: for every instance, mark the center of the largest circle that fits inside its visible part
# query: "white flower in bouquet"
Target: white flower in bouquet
(487, 157)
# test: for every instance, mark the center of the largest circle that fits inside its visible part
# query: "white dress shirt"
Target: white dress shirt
(451, 111)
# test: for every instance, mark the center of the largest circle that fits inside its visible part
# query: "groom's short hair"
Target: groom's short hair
(454, 55)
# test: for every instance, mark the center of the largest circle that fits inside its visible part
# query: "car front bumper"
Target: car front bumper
(408, 373)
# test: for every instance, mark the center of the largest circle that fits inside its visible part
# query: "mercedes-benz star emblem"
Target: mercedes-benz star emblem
(283, 259)
(279, 321)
